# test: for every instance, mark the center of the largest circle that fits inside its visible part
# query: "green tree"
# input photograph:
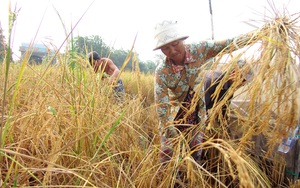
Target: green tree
(91, 43)
(119, 56)
(83, 45)
(151, 66)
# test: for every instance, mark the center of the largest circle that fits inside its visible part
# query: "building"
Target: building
(38, 52)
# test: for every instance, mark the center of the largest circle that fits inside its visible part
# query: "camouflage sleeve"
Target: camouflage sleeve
(206, 50)
(162, 100)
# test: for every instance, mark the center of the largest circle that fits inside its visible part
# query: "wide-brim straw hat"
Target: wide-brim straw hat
(165, 32)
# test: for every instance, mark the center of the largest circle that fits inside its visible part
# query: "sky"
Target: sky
(118, 22)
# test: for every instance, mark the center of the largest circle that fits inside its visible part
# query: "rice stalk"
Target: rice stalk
(12, 19)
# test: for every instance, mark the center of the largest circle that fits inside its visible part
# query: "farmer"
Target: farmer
(108, 67)
(176, 80)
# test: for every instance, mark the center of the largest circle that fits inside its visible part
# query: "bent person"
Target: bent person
(107, 66)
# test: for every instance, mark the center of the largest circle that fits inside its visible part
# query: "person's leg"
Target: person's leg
(166, 150)
(119, 90)
(120, 87)
(194, 145)
(212, 80)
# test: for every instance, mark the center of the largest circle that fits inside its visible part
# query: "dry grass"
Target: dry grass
(66, 129)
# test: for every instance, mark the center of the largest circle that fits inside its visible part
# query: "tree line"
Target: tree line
(82, 45)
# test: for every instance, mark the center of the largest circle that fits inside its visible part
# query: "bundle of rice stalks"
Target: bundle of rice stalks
(266, 107)
(274, 91)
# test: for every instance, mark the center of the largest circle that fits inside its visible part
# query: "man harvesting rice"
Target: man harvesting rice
(107, 66)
